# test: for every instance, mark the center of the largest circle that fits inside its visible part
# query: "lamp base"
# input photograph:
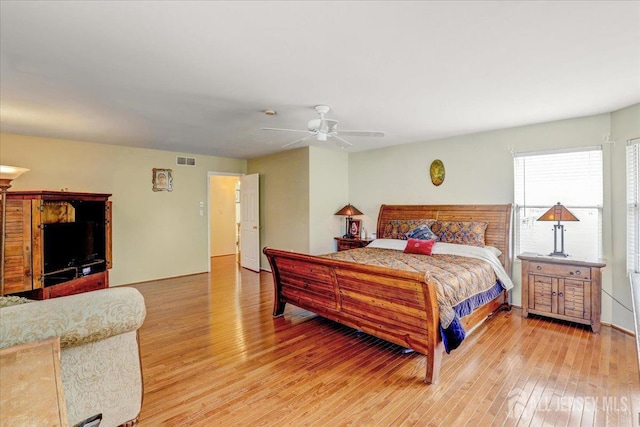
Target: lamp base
(347, 227)
(562, 254)
(558, 229)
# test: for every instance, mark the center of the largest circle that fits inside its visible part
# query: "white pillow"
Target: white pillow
(396, 244)
(399, 245)
(497, 252)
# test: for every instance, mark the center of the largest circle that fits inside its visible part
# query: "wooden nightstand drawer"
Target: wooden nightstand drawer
(345, 244)
(559, 270)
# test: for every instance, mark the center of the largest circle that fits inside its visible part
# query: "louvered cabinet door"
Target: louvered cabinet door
(576, 299)
(562, 288)
(18, 273)
(541, 293)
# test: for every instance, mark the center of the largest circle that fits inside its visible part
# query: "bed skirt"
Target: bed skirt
(453, 336)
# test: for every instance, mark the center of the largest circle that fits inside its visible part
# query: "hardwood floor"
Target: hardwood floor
(212, 354)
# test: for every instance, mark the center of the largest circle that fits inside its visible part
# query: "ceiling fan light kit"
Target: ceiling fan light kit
(323, 129)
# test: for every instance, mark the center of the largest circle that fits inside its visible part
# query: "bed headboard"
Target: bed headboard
(498, 217)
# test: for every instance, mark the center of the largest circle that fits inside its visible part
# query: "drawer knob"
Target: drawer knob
(538, 268)
(577, 272)
(560, 294)
(553, 293)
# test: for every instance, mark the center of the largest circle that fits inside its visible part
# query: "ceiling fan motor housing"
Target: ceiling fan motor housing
(322, 109)
(322, 125)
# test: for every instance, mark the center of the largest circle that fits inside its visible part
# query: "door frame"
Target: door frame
(209, 175)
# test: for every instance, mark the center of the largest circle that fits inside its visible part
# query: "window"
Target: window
(633, 203)
(571, 177)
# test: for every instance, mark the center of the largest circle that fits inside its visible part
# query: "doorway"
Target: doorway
(224, 215)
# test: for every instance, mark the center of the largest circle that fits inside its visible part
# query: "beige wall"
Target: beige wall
(222, 214)
(284, 200)
(328, 190)
(479, 169)
(300, 191)
(155, 234)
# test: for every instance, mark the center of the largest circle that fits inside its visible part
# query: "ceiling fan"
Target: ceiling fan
(323, 129)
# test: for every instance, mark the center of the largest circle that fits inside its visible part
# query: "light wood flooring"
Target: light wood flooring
(212, 354)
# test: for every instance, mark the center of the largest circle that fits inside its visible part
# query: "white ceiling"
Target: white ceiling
(195, 77)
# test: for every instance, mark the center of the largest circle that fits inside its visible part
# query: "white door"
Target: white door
(250, 222)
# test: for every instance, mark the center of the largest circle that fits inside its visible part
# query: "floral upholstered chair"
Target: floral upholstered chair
(100, 356)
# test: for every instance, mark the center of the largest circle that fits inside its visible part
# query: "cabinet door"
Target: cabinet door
(577, 299)
(17, 251)
(540, 293)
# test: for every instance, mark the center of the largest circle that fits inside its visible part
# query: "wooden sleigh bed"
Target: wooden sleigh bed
(395, 305)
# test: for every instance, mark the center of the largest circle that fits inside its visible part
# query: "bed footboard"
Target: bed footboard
(399, 307)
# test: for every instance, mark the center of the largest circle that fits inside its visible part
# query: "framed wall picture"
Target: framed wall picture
(354, 229)
(436, 170)
(162, 180)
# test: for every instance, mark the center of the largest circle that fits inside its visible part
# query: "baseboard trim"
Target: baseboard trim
(620, 329)
(611, 325)
(158, 279)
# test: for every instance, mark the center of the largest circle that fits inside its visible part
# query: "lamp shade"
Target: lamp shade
(349, 210)
(558, 213)
(11, 172)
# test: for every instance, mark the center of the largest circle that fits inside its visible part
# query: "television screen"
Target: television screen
(72, 244)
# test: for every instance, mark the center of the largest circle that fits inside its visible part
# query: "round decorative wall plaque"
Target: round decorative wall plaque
(437, 172)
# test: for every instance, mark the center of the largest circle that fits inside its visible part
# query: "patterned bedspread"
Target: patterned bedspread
(456, 277)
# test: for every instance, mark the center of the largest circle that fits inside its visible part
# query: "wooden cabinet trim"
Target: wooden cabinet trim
(108, 234)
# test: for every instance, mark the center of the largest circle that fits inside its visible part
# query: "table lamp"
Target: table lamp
(558, 213)
(349, 211)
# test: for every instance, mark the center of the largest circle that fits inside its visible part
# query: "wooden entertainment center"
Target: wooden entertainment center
(57, 243)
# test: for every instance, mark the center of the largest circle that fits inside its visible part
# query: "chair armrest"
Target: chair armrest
(76, 319)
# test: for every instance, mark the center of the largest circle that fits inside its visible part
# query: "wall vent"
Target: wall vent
(185, 161)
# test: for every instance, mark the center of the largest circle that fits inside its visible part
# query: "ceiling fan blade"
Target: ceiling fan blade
(298, 140)
(287, 130)
(343, 140)
(361, 132)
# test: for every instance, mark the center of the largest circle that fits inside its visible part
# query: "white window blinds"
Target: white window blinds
(571, 177)
(633, 203)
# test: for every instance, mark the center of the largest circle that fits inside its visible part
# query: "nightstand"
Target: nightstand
(345, 243)
(562, 288)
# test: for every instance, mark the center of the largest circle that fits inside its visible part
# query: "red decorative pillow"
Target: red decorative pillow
(417, 246)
